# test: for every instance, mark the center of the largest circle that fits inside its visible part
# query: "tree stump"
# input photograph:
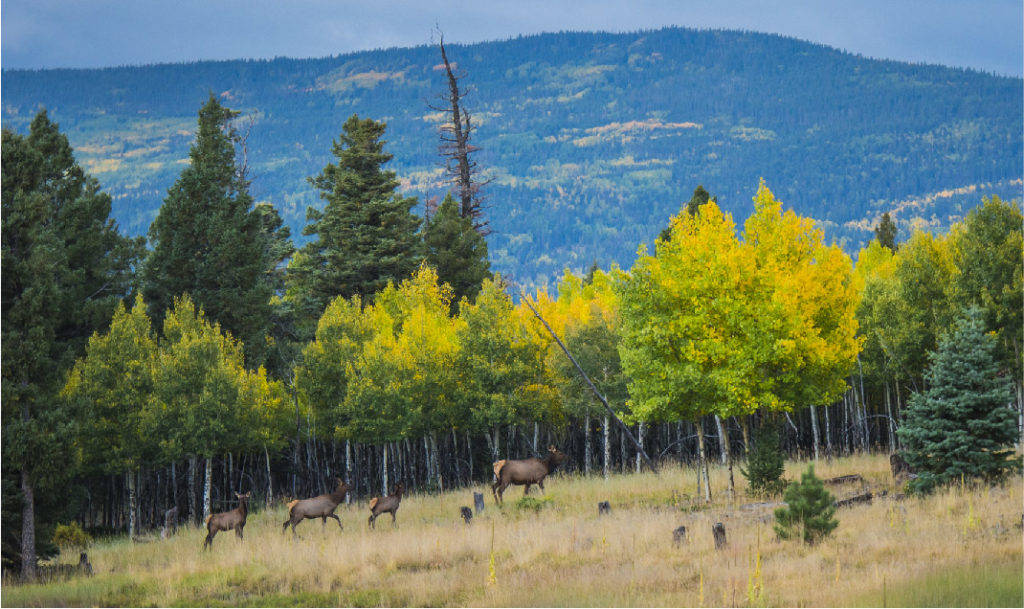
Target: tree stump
(719, 532)
(170, 523)
(478, 502)
(679, 535)
(467, 514)
(899, 466)
(604, 508)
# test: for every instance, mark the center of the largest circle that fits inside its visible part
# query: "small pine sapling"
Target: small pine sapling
(809, 510)
(765, 463)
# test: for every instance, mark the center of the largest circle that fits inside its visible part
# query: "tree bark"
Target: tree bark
(607, 447)
(723, 442)
(28, 526)
(814, 431)
(207, 488)
(702, 462)
(193, 502)
(586, 445)
(133, 505)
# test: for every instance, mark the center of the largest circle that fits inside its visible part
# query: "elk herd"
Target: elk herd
(506, 472)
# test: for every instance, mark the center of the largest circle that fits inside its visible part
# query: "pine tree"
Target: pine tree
(809, 510)
(456, 251)
(961, 425)
(65, 267)
(766, 462)
(886, 232)
(209, 242)
(365, 236)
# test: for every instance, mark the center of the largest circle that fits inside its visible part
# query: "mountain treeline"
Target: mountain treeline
(591, 140)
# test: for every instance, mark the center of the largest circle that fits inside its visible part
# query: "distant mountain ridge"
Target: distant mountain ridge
(592, 140)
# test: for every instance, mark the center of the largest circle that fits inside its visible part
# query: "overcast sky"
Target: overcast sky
(983, 34)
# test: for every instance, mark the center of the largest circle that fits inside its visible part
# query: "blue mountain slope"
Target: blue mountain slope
(592, 140)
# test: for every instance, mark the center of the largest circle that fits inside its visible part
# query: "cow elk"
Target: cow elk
(526, 471)
(380, 505)
(321, 507)
(225, 521)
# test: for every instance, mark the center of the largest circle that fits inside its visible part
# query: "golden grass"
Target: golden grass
(564, 554)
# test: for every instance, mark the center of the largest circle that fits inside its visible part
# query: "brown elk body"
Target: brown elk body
(321, 507)
(225, 521)
(525, 471)
(380, 505)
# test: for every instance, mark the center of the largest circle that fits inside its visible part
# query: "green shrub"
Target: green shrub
(533, 503)
(765, 463)
(809, 510)
(71, 537)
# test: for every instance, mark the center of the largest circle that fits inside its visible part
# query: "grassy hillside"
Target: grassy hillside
(592, 140)
(957, 548)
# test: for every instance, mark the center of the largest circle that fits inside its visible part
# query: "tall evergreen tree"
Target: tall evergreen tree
(366, 235)
(456, 251)
(65, 268)
(886, 232)
(699, 197)
(210, 243)
(961, 424)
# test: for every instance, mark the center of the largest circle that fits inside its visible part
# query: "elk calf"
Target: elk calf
(321, 507)
(525, 471)
(380, 505)
(225, 521)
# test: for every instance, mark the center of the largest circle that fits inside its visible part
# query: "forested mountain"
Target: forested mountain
(592, 140)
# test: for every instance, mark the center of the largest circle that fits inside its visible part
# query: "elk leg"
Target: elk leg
(209, 540)
(238, 532)
(334, 516)
(540, 483)
(526, 490)
(393, 517)
(370, 521)
(323, 524)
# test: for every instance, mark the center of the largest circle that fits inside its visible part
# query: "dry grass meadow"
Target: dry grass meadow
(959, 547)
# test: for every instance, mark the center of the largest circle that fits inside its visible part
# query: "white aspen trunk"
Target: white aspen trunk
(28, 525)
(270, 482)
(828, 436)
(426, 456)
(640, 442)
(436, 457)
(469, 449)
(207, 487)
(193, 502)
(348, 469)
(384, 470)
(890, 423)
(723, 443)
(702, 462)
(586, 445)
(814, 432)
(536, 437)
(496, 446)
(745, 428)
(133, 505)
(606, 432)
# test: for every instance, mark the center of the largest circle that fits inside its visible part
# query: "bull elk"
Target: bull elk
(380, 505)
(225, 521)
(321, 507)
(526, 471)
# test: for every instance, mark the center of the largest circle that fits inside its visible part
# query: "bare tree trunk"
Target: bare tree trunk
(745, 429)
(723, 443)
(586, 445)
(133, 505)
(536, 436)
(702, 462)
(193, 501)
(606, 432)
(469, 449)
(384, 470)
(207, 488)
(28, 526)
(270, 481)
(814, 432)
(640, 440)
(437, 462)
(348, 469)
(828, 435)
